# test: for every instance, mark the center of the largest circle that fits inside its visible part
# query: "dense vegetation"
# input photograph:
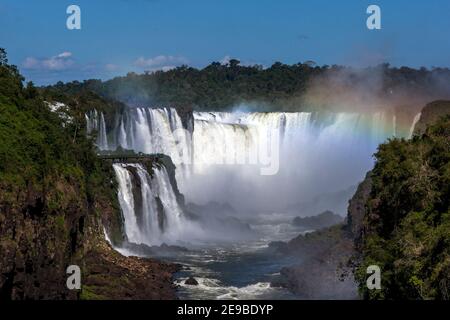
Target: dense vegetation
(81, 101)
(221, 86)
(50, 177)
(54, 191)
(407, 221)
(36, 144)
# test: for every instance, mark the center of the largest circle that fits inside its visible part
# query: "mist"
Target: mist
(398, 90)
(328, 133)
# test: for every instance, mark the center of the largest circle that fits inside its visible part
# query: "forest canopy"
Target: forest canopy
(219, 86)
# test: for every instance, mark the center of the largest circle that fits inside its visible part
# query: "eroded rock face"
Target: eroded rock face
(325, 274)
(109, 275)
(430, 114)
(186, 115)
(42, 233)
(357, 207)
(326, 270)
(323, 271)
(38, 241)
(320, 221)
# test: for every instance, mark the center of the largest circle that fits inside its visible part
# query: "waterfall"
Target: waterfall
(149, 206)
(102, 139)
(91, 121)
(154, 131)
(315, 153)
(248, 158)
(416, 119)
(95, 122)
(219, 138)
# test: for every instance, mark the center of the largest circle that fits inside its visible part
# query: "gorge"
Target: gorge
(230, 140)
(212, 154)
(193, 202)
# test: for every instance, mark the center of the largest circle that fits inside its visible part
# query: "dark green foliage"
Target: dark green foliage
(11, 90)
(53, 191)
(280, 87)
(407, 224)
(82, 99)
(36, 149)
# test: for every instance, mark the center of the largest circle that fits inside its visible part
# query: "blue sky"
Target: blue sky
(118, 36)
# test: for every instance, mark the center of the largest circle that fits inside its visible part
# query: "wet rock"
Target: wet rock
(118, 277)
(430, 114)
(323, 271)
(323, 220)
(191, 281)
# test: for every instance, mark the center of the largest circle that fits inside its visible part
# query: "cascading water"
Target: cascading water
(102, 138)
(413, 125)
(91, 121)
(96, 122)
(304, 154)
(153, 131)
(149, 206)
(311, 154)
(222, 159)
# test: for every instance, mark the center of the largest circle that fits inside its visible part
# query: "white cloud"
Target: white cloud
(168, 68)
(65, 54)
(59, 62)
(225, 60)
(30, 63)
(161, 62)
(111, 67)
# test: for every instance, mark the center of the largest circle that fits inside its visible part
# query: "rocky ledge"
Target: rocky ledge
(109, 275)
(323, 271)
(41, 234)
